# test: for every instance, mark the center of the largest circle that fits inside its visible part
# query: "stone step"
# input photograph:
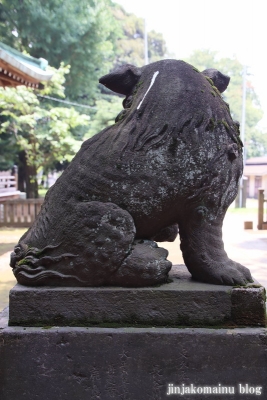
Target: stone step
(182, 302)
(82, 363)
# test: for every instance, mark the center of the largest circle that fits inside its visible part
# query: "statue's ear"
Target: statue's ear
(122, 80)
(220, 80)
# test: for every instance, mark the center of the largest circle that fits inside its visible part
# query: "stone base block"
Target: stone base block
(131, 363)
(182, 302)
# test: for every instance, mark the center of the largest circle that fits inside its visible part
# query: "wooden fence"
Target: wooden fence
(19, 213)
(7, 183)
(261, 202)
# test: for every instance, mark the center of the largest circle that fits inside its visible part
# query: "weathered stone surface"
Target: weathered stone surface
(248, 306)
(173, 158)
(183, 302)
(128, 363)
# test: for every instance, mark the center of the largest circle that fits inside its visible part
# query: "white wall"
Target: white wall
(251, 185)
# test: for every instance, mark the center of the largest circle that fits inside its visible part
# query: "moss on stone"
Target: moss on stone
(24, 261)
(137, 86)
(226, 125)
(209, 80)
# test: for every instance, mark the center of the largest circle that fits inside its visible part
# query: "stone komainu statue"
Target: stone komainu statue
(171, 161)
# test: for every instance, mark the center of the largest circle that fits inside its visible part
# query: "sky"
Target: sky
(234, 28)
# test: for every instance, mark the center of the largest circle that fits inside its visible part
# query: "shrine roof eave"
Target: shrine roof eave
(17, 65)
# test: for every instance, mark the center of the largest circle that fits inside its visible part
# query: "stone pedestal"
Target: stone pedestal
(181, 302)
(127, 361)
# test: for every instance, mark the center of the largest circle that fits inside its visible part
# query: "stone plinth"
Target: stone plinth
(79, 363)
(182, 302)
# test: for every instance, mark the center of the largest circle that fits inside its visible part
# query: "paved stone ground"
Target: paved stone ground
(8, 238)
(249, 247)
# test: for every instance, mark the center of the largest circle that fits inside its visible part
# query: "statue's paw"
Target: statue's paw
(168, 234)
(229, 273)
(146, 265)
(235, 274)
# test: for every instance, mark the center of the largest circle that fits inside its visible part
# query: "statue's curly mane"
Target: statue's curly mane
(171, 108)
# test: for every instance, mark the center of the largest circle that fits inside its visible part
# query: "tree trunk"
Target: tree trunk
(22, 172)
(27, 177)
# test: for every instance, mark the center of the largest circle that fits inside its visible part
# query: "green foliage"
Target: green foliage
(84, 35)
(130, 45)
(129, 50)
(157, 49)
(45, 133)
(255, 140)
(8, 151)
(80, 33)
(106, 112)
(56, 85)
